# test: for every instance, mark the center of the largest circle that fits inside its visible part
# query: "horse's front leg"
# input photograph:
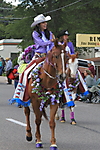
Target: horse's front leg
(38, 116)
(28, 127)
(52, 124)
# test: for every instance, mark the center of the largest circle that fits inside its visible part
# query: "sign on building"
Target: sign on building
(87, 40)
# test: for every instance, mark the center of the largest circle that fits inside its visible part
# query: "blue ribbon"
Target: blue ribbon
(20, 102)
(86, 93)
(70, 104)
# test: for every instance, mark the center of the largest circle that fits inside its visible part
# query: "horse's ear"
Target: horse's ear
(69, 55)
(76, 54)
(65, 44)
(56, 42)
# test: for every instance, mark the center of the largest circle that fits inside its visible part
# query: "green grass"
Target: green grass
(4, 74)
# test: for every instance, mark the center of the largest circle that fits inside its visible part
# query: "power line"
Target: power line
(63, 7)
(85, 3)
(81, 5)
(54, 9)
(11, 18)
(3, 8)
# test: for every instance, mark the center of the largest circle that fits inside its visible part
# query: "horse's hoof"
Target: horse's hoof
(57, 118)
(20, 106)
(73, 122)
(39, 145)
(62, 119)
(53, 147)
(29, 138)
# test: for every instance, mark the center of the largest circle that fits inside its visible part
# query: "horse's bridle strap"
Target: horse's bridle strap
(49, 74)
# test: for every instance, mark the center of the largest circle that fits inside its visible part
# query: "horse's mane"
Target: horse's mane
(56, 47)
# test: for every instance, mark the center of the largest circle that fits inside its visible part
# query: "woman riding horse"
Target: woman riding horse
(44, 88)
(43, 39)
(64, 37)
(44, 80)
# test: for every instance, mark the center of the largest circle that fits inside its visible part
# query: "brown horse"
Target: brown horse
(44, 90)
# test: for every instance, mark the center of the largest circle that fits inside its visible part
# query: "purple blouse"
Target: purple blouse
(41, 45)
(70, 45)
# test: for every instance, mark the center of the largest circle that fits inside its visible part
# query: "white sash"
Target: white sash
(45, 40)
(67, 49)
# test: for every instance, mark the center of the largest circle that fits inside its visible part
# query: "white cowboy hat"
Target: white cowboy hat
(39, 19)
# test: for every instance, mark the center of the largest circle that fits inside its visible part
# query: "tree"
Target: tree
(76, 16)
(5, 11)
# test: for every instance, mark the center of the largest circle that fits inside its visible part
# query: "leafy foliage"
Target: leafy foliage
(76, 16)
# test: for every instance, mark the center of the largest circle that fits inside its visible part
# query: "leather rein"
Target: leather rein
(54, 65)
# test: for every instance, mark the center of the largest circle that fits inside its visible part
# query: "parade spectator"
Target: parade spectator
(3, 64)
(8, 68)
(1, 67)
(91, 68)
(90, 81)
(16, 80)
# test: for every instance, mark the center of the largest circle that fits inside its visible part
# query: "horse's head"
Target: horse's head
(73, 65)
(59, 60)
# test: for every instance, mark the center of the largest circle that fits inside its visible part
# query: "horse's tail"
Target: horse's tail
(44, 114)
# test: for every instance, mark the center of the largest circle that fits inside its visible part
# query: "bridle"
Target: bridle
(50, 76)
(62, 57)
(54, 66)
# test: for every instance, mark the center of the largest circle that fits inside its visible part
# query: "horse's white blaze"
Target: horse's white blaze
(63, 64)
(15, 121)
(73, 67)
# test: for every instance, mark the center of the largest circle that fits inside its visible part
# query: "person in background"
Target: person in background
(1, 67)
(90, 81)
(8, 67)
(16, 80)
(3, 63)
(91, 68)
(64, 37)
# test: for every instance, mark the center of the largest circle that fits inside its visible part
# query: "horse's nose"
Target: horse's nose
(62, 77)
(73, 76)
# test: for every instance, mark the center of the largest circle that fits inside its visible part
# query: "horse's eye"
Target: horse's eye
(57, 57)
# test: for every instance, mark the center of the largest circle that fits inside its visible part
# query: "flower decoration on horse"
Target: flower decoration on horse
(38, 89)
(27, 55)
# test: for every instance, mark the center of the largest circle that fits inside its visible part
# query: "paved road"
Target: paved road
(83, 136)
